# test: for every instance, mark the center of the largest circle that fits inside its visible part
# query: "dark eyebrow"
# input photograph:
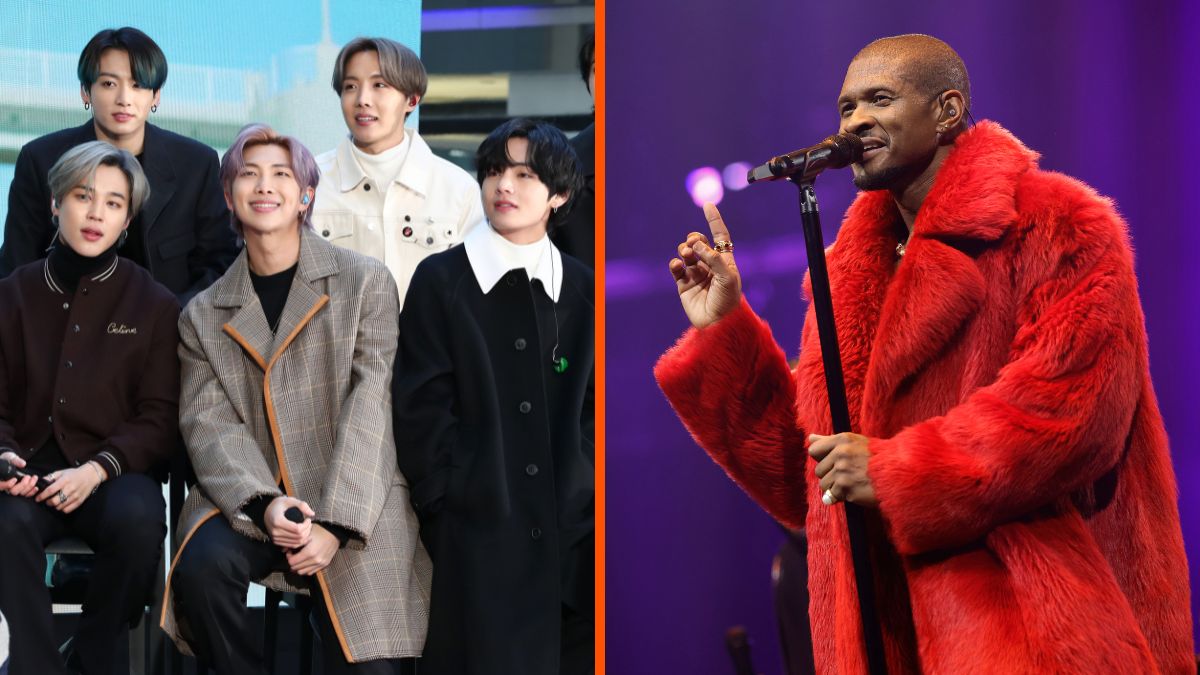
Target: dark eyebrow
(112, 75)
(866, 93)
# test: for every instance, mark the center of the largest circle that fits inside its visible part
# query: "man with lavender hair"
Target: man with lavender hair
(287, 363)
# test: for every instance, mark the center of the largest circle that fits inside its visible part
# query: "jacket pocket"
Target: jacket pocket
(337, 228)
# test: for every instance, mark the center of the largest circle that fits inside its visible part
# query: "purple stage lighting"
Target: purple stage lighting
(735, 175)
(704, 185)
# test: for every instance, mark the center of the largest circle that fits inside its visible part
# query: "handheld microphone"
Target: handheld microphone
(293, 514)
(8, 472)
(738, 645)
(804, 164)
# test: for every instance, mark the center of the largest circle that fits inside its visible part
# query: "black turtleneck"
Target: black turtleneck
(272, 291)
(68, 267)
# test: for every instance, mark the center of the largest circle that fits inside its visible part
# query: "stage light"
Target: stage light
(735, 175)
(704, 185)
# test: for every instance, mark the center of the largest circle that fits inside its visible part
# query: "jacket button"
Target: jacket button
(408, 219)
(50, 419)
(429, 240)
(526, 406)
(407, 231)
(367, 187)
(70, 364)
(536, 533)
(76, 328)
(62, 401)
(520, 344)
(324, 233)
(66, 305)
(531, 469)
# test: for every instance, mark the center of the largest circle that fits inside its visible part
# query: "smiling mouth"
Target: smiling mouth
(264, 207)
(365, 119)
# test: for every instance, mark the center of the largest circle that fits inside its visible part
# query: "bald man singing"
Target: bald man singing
(1010, 455)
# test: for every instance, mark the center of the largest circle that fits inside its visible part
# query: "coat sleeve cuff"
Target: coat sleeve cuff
(110, 460)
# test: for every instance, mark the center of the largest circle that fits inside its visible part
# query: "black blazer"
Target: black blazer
(498, 450)
(185, 223)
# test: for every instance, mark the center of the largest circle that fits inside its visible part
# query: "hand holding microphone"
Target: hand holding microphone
(15, 481)
(289, 522)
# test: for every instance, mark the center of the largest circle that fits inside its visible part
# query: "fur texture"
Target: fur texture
(1028, 519)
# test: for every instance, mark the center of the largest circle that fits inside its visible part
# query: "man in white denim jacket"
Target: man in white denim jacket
(383, 192)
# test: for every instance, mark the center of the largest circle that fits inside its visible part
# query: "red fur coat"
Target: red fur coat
(1027, 516)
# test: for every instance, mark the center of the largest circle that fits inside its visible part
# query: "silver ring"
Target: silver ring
(827, 498)
(62, 497)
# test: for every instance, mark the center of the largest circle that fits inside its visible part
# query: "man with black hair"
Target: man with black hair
(493, 417)
(182, 235)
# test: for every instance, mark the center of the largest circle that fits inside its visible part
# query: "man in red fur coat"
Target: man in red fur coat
(1012, 460)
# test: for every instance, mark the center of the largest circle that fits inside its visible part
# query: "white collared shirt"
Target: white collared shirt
(492, 256)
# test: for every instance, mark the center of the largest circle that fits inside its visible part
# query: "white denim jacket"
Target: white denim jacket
(428, 207)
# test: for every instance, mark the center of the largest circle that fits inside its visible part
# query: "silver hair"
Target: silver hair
(78, 167)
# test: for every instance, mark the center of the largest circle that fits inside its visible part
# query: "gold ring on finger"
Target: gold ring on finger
(723, 246)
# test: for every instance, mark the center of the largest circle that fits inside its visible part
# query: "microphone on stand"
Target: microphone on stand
(804, 164)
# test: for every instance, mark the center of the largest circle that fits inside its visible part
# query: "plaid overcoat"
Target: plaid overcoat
(308, 408)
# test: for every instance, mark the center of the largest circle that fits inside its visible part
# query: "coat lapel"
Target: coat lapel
(316, 263)
(894, 325)
(159, 172)
(248, 327)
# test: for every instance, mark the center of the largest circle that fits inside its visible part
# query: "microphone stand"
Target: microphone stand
(839, 411)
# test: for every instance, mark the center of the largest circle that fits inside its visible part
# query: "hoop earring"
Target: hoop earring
(121, 239)
(154, 108)
(87, 105)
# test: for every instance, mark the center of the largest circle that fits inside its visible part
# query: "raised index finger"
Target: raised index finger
(715, 223)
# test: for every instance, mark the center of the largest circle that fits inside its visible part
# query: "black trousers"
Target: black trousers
(210, 583)
(124, 523)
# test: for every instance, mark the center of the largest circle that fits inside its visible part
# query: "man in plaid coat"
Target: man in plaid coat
(285, 405)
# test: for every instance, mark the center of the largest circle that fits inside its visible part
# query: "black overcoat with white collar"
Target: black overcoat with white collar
(498, 449)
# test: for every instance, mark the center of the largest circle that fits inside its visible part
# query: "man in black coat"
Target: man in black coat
(493, 417)
(183, 234)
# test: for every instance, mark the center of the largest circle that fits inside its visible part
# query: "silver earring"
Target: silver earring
(121, 239)
(154, 108)
(87, 105)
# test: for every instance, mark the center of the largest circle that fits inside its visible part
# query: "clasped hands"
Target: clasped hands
(842, 467)
(75, 485)
(309, 548)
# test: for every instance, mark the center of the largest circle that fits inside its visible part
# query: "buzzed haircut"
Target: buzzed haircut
(550, 156)
(77, 167)
(932, 65)
(400, 66)
(146, 60)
